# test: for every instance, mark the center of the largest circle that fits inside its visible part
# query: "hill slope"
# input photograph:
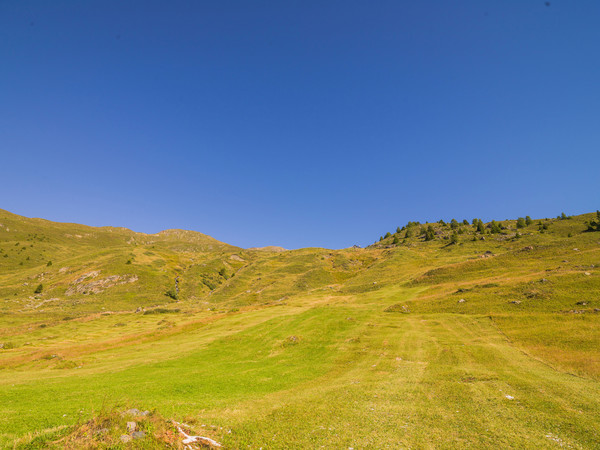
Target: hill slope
(486, 339)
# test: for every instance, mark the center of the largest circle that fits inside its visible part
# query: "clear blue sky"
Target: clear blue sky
(298, 123)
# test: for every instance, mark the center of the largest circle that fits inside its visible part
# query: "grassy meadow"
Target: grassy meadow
(436, 336)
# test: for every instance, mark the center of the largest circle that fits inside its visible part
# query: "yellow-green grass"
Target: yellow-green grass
(418, 345)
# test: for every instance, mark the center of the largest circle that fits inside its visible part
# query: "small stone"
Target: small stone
(587, 274)
(510, 397)
(138, 435)
(125, 438)
(131, 426)
(462, 300)
(516, 302)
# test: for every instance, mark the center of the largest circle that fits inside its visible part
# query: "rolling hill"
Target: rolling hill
(458, 334)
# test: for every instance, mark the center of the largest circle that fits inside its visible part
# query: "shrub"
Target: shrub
(454, 238)
(387, 235)
(171, 293)
(39, 289)
(161, 311)
(521, 222)
(429, 233)
(495, 228)
(528, 220)
(453, 224)
(396, 241)
(209, 284)
(49, 263)
(465, 222)
(593, 225)
(480, 226)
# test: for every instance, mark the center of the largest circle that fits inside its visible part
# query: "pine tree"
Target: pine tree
(387, 235)
(453, 224)
(430, 233)
(480, 226)
(454, 238)
(528, 220)
(521, 223)
(495, 228)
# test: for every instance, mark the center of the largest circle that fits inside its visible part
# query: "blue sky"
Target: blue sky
(298, 123)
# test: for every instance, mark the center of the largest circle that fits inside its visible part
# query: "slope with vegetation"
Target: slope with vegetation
(462, 333)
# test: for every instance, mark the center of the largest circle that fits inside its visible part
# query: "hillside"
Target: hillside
(458, 334)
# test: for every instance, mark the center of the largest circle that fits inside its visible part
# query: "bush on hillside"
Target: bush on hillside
(521, 222)
(39, 289)
(171, 293)
(429, 233)
(480, 226)
(594, 225)
(494, 227)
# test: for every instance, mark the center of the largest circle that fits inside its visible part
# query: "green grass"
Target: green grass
(417, 345)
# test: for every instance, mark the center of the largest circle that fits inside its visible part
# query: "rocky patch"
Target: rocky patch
(79, 286)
